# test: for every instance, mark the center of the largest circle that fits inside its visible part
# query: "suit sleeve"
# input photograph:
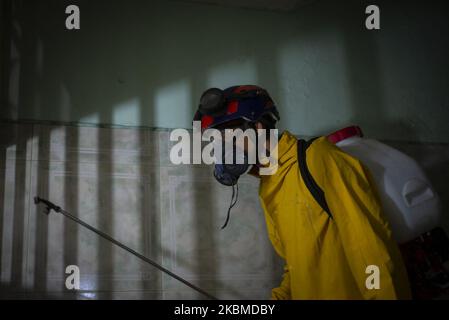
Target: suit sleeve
(366, 236)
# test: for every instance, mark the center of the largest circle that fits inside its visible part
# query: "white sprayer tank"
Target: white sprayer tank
(410, 203)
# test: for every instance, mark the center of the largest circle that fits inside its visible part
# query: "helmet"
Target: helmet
(244, 102)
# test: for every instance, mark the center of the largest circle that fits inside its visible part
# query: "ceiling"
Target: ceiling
(274, 5)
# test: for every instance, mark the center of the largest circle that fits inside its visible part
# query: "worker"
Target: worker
(322, 211)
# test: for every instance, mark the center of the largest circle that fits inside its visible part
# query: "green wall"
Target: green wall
(145, 63)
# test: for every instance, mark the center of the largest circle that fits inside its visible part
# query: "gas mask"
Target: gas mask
(237, 106)
(234, 160)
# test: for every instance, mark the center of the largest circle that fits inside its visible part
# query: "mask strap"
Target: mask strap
(233, 202)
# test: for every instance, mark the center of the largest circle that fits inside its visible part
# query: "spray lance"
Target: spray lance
(51, 206)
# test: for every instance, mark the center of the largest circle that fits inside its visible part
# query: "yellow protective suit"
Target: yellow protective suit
(327, 258)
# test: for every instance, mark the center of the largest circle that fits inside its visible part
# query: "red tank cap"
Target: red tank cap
(345, 133)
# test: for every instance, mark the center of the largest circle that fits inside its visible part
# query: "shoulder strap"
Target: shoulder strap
(313, 187)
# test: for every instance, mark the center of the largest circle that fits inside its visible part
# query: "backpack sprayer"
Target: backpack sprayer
(51, 206)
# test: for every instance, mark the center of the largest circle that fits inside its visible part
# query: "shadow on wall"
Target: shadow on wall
(364, 69)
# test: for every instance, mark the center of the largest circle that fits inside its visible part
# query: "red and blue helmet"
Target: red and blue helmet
(244, 102)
